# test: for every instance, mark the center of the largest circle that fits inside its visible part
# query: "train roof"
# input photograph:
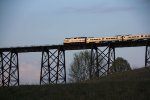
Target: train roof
(76, 38)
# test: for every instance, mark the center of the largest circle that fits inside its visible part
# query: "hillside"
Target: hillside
(130, 85)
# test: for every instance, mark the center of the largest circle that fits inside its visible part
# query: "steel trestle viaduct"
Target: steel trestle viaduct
(53, 69)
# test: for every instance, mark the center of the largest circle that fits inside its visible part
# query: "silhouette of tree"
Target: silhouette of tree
(120, 65)
(80, 67)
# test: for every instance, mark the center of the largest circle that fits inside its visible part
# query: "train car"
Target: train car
(93, 40)
(82, 40)
(77, 40)
(145, 36)
(112, 38)
(136, 37)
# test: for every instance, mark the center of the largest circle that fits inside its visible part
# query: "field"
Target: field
(130, 85)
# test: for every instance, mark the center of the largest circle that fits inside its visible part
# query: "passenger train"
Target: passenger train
(87, 40)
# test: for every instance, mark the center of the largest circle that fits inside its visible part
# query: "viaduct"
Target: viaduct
(53, 68)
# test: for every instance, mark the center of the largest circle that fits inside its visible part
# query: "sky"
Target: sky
(47, 22)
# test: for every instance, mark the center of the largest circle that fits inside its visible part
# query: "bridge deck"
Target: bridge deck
(117, 44)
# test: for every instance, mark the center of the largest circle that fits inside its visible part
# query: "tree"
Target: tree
(120, 65)
(81, 66)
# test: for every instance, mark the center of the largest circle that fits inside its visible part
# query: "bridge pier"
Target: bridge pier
(53, 69)
(94, 68)
(101, 61)
(111, 57)
(9, 69)
(147, 56)
(1, 70)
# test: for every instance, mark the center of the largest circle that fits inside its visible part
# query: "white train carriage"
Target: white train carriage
(136, 37)
(80, 40)
(144, 36)
(112, 38)
(75, 40)
(93, 40)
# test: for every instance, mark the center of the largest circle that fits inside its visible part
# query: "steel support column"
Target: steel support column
(5, 60)
(1, 69)
(53, 70)
(147, 56)
(14, 70)
(111, 58)
(9, 69)
(45, 68)
(93, 70)
(101, 60)
(61, 67)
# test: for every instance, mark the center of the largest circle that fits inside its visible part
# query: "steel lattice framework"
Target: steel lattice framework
(53, 70)
(9, 72)
(101, 61)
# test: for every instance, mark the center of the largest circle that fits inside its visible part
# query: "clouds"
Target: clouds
(97, 9)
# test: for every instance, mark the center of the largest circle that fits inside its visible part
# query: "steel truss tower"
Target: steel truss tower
(101, 61)
(9, 69)
(1, 69)
(147, 56)
(53, 69)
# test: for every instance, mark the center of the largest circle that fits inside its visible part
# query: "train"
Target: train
(87, 40)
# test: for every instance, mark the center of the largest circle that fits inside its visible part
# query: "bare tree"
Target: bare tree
(81, 66)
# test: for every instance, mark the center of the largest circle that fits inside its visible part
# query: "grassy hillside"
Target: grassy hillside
(131, 85)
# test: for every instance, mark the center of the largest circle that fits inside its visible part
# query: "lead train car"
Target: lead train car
(78, 40)
(81, 40)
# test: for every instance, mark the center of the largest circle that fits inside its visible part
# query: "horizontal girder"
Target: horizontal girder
(77, 46)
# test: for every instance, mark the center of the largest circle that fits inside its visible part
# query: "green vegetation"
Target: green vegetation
(120, 65)
(129, 85)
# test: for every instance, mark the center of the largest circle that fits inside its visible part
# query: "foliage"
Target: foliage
(120, 65)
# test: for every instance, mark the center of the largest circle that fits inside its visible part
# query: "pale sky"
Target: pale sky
(46, 22)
